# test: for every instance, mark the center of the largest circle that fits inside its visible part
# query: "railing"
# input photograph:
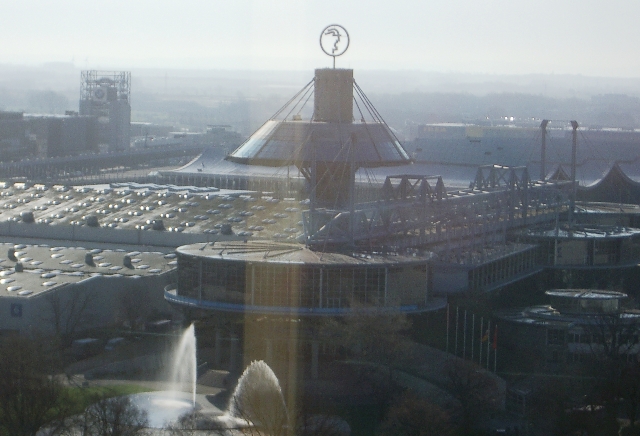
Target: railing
(171, 295)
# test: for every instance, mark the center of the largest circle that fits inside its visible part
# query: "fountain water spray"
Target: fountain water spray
(184, 366)
(258, 398)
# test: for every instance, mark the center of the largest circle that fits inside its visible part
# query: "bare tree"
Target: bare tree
(378, 342)
(322, 425)
(31, 397)
(115, 416)
(197, 424)
(615, 366)
(414, 416)
(133, 307)
(475, 390)
(547, 405)
(67, 312)
(373, 337)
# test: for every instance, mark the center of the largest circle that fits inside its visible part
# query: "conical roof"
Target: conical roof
(279, 143)
(326, 137)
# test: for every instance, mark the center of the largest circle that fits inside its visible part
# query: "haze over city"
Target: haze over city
(592, 38)
(207, 229)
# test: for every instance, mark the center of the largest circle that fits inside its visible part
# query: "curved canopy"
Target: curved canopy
(616, 186)
(279, 143)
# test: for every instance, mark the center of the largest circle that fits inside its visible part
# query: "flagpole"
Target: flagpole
(447, 342)
(473, 324)
(495, 348)
(488, 343)
(457, 322)
(481, 335)
(464, 337)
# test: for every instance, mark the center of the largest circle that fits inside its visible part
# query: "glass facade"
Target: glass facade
(502, 269)
(300, 285)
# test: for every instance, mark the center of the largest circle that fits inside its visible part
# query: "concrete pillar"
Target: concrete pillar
(315, 351)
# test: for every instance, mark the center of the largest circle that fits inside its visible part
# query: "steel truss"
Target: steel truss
(416, 211)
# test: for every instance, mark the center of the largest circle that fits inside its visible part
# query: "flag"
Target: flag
(495, 338)
(485, 338)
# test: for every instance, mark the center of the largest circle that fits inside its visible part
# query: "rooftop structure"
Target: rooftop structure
(149, 214)
(44, 288)
(464, 144)
(330, 146)
(585, 245)
(289, 279)
(572, 328)
(24, 137)
(326, 137)
(106, 96)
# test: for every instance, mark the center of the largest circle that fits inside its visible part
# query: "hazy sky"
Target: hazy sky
(589, 37)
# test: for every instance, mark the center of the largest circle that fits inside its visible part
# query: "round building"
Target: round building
(266, 277)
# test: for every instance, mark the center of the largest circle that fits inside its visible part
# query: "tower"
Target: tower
(105, 95)
(330, 146)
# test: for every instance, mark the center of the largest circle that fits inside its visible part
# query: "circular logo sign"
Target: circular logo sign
(334, 40)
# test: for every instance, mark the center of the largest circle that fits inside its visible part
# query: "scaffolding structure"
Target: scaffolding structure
(417, 211)
(94, 80)
(106, 96)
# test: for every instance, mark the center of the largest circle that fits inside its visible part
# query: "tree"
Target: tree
(196, 424)
(31, 396)
(379, 344)
(115, 416)
(547, 405)
(322, 425)
(614, 350)
(414, 416)
(67, 312)
(475, 389)
(630, 393)
(373, 337)
(132, 306)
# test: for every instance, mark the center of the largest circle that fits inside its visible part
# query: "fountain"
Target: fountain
(164, 407)
(258, 399)
(184, 367)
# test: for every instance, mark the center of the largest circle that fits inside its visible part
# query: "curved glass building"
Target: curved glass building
(265, 277)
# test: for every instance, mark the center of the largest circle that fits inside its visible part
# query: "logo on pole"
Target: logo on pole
(334, 41)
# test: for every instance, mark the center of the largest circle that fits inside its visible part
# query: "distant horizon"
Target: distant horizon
(36, 65)
(592, 38)
(64, 78)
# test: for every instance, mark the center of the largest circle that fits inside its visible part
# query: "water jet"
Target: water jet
(184, 367)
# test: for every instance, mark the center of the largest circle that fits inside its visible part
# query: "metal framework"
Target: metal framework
(91, 80)
(415, 211)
